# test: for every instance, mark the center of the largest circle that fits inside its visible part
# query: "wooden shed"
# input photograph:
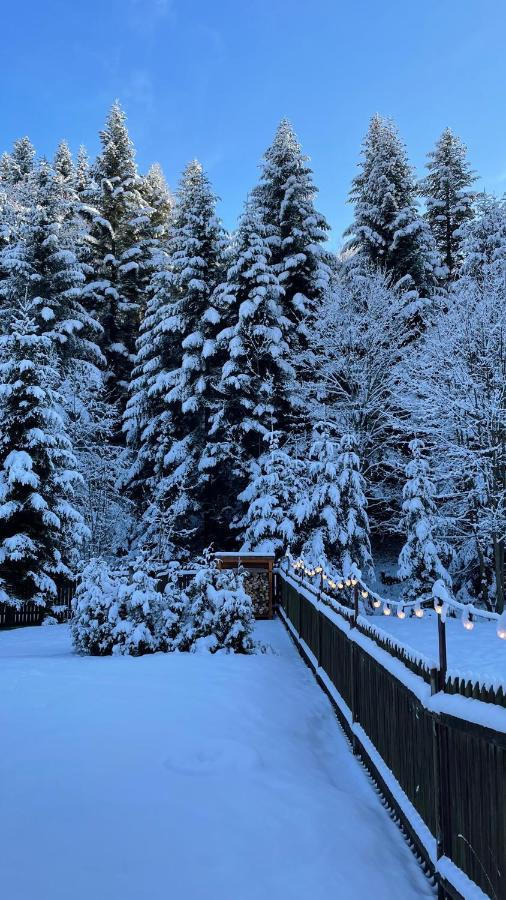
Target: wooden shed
(258, 581)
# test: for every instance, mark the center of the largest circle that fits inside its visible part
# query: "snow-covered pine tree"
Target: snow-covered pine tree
(354, 546)
(116, 288)
(421, 558)
(388, 231)
(168, 412)
(219, 612)
(63, 163)
(268, 524)
(256, 390)
(448, 198)
(38, 522)
(22, 160)
(483, 242)
(42, 264)
(317, 511)
(296, 231)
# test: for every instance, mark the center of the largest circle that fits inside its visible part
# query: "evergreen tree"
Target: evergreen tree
(420, 560)
(318, 510)
(42, 264)
(116, 290)
(82, 175)
(168, 413)
(255, 392)
(296, 232)
(354, 544)
(37, 467)
(448, 198)
(22, 160)
(63, 163)
(483, 242)
(268, 525)
(388, 232)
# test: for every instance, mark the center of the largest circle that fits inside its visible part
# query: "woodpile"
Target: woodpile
(256, 584)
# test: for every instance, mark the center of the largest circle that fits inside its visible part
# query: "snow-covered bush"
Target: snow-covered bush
(94, 618)
(220, 612)
(118, 612)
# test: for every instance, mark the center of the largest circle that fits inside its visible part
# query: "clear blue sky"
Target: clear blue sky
(211, 79)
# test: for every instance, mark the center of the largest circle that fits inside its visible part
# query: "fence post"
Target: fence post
(435, 680)
(353, 670)
(441, 630)
(355, 605)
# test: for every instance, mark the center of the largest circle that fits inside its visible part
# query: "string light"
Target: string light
(399, 607)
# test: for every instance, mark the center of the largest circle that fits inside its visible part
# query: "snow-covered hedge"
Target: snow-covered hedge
(123, 612)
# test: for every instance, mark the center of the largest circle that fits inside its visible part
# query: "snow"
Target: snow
(202, 776)
(478, 654)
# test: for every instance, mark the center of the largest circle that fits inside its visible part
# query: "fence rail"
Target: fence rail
(444, 775)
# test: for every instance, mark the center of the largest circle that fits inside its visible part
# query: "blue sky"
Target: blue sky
(211, 79)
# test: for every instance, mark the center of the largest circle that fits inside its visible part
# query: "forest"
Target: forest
(167, 386)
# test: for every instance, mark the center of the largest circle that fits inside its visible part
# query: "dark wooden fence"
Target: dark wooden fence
(32, 614)
(443, 776)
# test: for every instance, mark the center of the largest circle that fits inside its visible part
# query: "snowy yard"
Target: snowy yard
(183, 776)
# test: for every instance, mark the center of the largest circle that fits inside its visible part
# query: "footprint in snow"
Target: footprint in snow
(213, 757)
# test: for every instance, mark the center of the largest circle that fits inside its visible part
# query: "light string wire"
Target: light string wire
(442, 599)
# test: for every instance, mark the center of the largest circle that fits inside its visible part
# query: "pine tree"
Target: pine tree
(63, 163)
(388, 232)
(37, 468)
(116, 290)
(255, 392)
(448, 198)
(22, 160)
(296, 231)
(483, 241)
(167, 418)
(420, 560)
(42, 263)
(354, 544)
(268, 525)
(318, 510)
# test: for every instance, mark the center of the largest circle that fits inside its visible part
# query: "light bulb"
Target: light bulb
(332, 584)
(376, 604)
(365, 594)
(401, 614)
(318, 569)
(325, 577)
(387, 611)
(419, 613)
(340, 585)
(468, 625)
(438, 607)
(348, 582)
(501, 633)
(353, 581)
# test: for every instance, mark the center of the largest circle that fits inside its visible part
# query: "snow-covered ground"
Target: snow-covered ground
(183, 776)
(478, 654)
